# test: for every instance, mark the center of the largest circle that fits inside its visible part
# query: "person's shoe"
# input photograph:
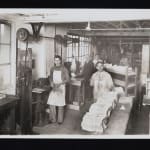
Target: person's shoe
(59, 123)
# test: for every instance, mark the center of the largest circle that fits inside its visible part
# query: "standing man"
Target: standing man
(59, 76)
(86, 73)
(96, 59)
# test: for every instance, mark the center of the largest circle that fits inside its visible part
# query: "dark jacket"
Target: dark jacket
(88, 70)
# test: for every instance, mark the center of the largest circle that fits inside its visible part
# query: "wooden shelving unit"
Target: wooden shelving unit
(127, 80)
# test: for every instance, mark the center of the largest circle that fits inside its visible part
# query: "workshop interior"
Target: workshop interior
(74, 72)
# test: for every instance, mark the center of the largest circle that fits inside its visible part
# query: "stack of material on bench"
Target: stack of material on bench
(97, 118)
(118, 68)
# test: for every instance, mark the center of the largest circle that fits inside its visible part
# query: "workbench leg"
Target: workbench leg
(38, 110)
(70, 94)
(149, 122)
(40, 119)
(12, 121)
(83, 93)
(36, 121)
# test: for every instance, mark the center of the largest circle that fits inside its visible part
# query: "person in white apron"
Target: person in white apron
(59, 76)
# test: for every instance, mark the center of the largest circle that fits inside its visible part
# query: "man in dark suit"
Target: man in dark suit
(87, 71)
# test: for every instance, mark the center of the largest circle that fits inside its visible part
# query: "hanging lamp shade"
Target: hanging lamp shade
(88, 28)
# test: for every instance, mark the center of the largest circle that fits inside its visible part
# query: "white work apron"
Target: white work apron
(57, 97)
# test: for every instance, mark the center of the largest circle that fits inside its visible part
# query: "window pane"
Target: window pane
(4, 54)
(4, 34)
(4, 77)
(79, 50)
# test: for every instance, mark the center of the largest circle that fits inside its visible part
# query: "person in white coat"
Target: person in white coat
(101, 81)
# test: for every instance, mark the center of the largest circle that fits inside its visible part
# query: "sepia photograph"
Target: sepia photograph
(74, 73)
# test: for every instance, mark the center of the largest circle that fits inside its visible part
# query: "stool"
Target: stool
(79, 83)
(39, 103)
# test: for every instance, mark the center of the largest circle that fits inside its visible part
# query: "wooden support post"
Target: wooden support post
(12, 121)
(126, 82)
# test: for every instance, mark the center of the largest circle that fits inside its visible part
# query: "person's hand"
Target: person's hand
(73, 75)
(52, 84)
(57, 85)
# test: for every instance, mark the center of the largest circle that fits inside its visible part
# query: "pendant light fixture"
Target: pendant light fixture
(88, 28)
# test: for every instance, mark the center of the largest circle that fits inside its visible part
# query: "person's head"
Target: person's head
(99, 66)
(57, 60)
(97, 57)
(88, 58)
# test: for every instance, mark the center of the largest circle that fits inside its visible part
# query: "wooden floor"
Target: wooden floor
(140, 122)
(71, 125)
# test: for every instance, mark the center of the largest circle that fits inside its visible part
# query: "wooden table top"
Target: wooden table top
(8, 101)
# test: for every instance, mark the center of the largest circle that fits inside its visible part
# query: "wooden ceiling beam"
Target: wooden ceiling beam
(135, 24)
(113, 24)
(123, 39)
(145, 23)
(98, 25)
(133, 33)
(125, 24)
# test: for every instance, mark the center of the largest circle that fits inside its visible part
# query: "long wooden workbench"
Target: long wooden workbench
(119, 121)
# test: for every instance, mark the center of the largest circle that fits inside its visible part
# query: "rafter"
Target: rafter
(124, 24)
(112, 24)
(115, 32)
(98, 25)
